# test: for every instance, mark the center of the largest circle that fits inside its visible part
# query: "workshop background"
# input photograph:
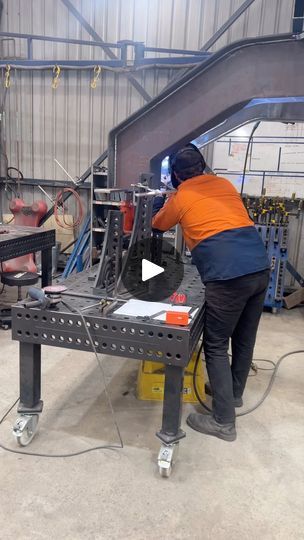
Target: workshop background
(72, 123)
(252, 489)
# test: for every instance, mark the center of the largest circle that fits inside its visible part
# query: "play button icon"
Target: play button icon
(149, 270)
(152, 270)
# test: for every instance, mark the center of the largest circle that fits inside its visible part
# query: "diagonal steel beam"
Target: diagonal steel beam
(234, 17)
(81, 180)
(68, 4)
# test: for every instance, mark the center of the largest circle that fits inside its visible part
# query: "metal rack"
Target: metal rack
(98, 226)
(271, 218)
(103, 200)
(275, 238)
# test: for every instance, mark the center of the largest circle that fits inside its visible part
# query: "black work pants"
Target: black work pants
(233, 310)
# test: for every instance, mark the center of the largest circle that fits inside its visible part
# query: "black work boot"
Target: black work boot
(237, 402)
(208, 425)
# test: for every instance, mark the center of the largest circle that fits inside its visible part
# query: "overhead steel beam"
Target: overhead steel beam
(42, 182)
(220, 32)
(234, 17)
(106, 49)
(67, 64)
(56, 39)
(188, 57)
(115, 65)
(205, 97)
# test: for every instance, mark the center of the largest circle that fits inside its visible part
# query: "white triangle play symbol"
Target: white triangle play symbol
(149, 270)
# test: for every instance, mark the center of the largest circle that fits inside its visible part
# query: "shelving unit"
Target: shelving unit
(103, 199)
(98, 214)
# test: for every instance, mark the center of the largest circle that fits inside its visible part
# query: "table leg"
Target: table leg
(30, 378)
(46, 267)
(172, 408)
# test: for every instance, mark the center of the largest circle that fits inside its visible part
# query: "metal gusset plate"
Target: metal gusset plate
(110, 262)
(138, 247)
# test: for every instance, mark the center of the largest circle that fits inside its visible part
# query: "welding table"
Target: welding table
(16, 241)
(115, 335)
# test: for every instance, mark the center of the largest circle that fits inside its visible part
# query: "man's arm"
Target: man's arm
(168, 216)
(158, 203)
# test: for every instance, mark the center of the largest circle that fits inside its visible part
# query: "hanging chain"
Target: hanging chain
(56, 80)
(97, 71)
(7, 76)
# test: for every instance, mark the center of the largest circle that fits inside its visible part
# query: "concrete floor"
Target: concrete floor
(252, 488)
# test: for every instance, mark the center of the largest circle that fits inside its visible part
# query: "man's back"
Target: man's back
(209, 205)
(216, 228)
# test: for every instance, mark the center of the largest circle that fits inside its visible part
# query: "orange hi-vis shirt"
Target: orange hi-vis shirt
(204, 206)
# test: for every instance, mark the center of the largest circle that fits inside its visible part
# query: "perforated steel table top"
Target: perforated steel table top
(134, 337)
(16, 241)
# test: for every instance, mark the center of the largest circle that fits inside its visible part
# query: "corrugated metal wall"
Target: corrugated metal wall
(72, 122)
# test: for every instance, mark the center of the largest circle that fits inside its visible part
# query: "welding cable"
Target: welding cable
(256, 368)
(9, 177)
(99, 363)
(15, 179)
(59, 202)
(114, 447)
(80, 452)
(269, 386)
(20, 174)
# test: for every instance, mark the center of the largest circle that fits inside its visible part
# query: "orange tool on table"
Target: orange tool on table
(177, 317)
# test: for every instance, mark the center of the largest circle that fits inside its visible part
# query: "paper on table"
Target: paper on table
(141, 308)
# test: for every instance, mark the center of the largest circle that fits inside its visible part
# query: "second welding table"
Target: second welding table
(16, 241)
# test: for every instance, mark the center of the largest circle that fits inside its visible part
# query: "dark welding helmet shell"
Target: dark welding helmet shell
(185, 157)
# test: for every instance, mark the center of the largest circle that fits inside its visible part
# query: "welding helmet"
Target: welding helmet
(184, 161)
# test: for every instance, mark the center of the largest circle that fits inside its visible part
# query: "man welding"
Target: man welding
(234, 267)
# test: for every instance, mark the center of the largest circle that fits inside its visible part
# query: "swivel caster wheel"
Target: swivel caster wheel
(166, 459)
(4, 326)
(25, 428)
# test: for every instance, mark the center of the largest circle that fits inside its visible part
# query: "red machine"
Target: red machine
(29, 216)
(127, 208)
